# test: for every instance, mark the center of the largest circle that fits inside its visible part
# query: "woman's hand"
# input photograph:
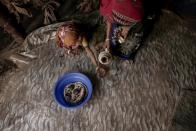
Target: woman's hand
(106, 44)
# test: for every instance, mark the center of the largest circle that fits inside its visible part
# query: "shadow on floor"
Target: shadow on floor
(185, 115)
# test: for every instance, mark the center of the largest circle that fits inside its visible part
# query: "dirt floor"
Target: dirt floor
(155, 93)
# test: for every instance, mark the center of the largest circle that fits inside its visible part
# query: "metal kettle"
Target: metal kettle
(105, 57)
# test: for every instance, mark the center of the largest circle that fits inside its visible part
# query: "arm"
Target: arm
(108, 30)
(91, 55)
(89, 51)
(100, 70)
(107, 39)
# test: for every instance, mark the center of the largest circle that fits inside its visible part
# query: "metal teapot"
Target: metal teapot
(105, 57)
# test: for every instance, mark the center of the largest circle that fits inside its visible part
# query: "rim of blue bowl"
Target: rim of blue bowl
(79, 75)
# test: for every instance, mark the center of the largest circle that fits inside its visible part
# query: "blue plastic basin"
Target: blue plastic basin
(67, 79)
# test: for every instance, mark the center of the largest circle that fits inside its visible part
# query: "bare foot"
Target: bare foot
(125, 30)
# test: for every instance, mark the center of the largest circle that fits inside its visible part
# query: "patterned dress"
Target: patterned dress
(124, 12)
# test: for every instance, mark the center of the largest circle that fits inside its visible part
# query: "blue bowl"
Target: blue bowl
(67, 79)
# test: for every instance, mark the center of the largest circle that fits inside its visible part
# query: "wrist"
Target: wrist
(107, 39)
